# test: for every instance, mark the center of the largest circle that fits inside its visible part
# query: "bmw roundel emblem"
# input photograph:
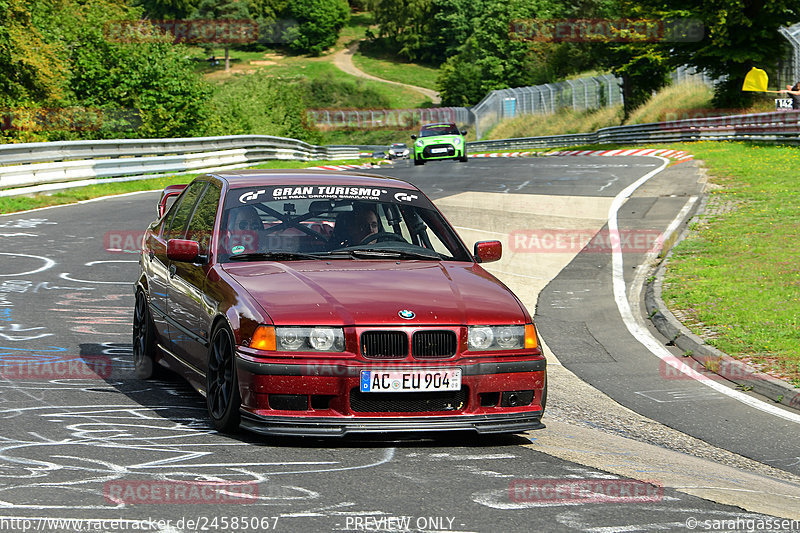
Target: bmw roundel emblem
(405, 313)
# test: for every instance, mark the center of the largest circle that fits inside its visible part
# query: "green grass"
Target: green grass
(563, 122)
(395, 70)
(14, 204)
(738, 273)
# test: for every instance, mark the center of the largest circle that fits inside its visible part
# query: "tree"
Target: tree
(318, 24)
(221, 10)
(166, 9)
(151, 76)
(739, 34)
(31, 69)
(491, 58)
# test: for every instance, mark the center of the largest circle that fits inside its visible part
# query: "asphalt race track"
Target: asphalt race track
(83, 439)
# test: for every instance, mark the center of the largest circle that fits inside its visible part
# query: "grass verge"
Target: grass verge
(391, 69)
(735, 281)
(14, 204)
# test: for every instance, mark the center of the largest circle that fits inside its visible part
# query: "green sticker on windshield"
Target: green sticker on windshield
(237, 249)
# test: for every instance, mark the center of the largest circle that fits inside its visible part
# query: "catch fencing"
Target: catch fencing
(579, 94)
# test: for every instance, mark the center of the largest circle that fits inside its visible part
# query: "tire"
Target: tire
(463, 157)
(222, 385)
(419, 161)
(144, 345)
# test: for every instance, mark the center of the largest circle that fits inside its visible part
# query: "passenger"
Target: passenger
(244, 226)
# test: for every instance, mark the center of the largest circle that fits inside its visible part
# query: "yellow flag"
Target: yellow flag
(756, 80)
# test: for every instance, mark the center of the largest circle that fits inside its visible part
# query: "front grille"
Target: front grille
(451, 151)
(384, 344)
(408, 402)
(426, 344)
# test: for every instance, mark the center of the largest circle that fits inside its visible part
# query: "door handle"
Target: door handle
(152, 255)
(172, 270)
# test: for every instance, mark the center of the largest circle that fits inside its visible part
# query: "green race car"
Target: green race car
(439, 141)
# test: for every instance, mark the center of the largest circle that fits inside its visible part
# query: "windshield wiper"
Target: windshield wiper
(387, 253)
(273, 256)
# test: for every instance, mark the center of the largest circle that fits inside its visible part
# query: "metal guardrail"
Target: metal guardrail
(62, 162)
(57, 162)
(780, 126)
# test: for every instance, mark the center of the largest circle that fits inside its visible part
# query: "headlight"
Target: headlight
(308, 339)
(457, 141)
(419, 143)
(512, 337)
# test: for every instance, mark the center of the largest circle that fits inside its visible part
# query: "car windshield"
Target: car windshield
(334, 222)
(439, 129)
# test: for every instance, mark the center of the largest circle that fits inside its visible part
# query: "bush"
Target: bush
(318, 24)
(255, 104)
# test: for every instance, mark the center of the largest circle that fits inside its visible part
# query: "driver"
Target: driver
(365, 223)
(353, 227)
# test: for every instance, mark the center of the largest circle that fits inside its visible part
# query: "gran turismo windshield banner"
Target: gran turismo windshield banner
(238, 197)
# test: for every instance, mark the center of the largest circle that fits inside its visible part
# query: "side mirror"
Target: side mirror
(183, 250)
(488, 251)
(463, 132)
(414, 137)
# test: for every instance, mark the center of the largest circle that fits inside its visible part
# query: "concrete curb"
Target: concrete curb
(706, 356)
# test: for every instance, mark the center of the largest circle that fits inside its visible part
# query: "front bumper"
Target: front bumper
(439, 151)
(324, 399)
(327, 427)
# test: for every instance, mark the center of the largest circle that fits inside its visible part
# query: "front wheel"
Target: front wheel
(222, 385)
(419, 161)
(144, 345)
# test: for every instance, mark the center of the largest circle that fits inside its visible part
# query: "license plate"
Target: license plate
(411, 380)
(438, 150)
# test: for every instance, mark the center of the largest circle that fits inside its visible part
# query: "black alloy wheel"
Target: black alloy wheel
(144, 346)
(222, 386)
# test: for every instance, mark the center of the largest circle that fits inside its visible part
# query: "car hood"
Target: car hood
(368, 292)
(440, 139)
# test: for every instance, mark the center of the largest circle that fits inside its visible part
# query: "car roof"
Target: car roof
(248, 178)
(438, 125)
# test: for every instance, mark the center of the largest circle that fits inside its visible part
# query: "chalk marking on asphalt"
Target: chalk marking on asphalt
(643, 335)
(48, 263)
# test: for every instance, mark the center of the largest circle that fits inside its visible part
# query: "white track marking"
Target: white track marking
(643, 335)
(48, 263)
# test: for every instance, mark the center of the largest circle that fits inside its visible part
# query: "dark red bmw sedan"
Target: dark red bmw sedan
(318, 303)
